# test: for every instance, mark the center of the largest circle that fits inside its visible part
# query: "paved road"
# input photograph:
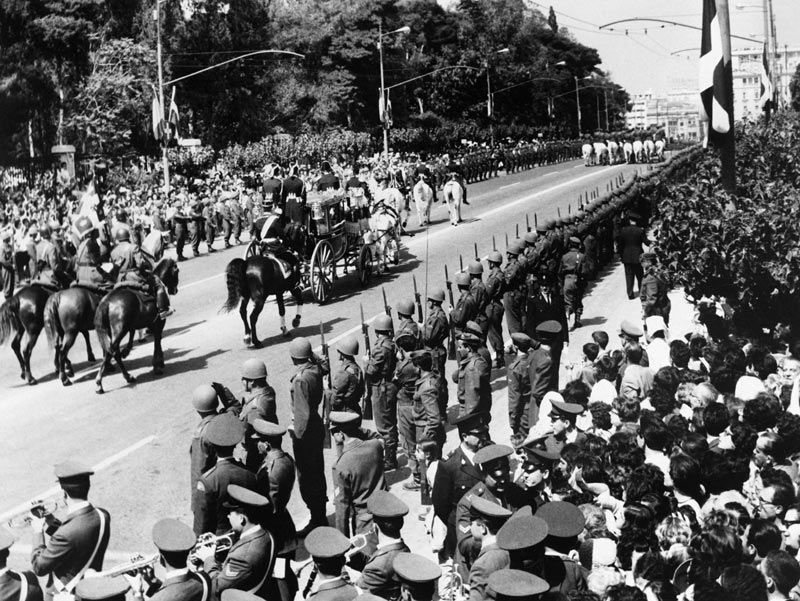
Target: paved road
(139, 435)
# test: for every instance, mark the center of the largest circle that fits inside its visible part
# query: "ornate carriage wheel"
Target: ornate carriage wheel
(365, 265)
(322, 269)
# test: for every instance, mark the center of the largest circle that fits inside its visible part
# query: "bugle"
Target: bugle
(40, 508)
(220, 543)
(137, 563)
(357, 543)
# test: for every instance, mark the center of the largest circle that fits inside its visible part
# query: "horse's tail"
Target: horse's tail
(235, 280)
(101, 324)
(9, 318)
(52, 322)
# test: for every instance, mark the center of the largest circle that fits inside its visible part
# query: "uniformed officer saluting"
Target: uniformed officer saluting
(417, 576)
(15, 586)
(250, 559)
(174, 541)
(205, 400)
(358, 473)
(378, 575)
(327, 547)
(80, 541)
(224, 432)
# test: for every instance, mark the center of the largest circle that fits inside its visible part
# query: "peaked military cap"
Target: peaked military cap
(521, 532)
(415, 569)
(225, 430)
(631, 329)
(344, 419)
(104, 587)
(521, 340)
(383, 504)
(567, 408)
(564, 520)
(548, 328)
(484, 508)
(265, 428)
(516, 584)
(72, 470)
(239, 496)
(492, 452)
(173, 536)
(471, 421)
(325, 542)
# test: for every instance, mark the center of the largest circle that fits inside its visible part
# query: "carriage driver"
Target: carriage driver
(273, 241)
(133, 266)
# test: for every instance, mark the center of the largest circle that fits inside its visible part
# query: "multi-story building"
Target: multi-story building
(676, 112)
(746, 65)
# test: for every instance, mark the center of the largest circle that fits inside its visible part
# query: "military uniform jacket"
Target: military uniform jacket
(211, 492)
(474, 388)
(72, 545)
(426, 408)
(490, 559)
(306, 395)
(358, 474)
(272, 189)
(513, 276)
(408, 327)
(334, 590)
(127, 261)
(519, 381)
(260, 401)
(202, 456)
(455, 476)
(467, 545)
(562, 573)
(348, 387)
(48, 262)
(541, 375)
(189, 586)
(11, 586)
(382, 360)
(87, 261)
(571, 267)
(435, 330)
(405, 377)
(327, 181)
(478, 291)
(275, 478)
(378, 577)
(494, 289)
(247, 566)
(629, 243)
(654, 296)
(466, 309)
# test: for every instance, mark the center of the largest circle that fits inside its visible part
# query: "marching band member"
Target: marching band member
(15, 586)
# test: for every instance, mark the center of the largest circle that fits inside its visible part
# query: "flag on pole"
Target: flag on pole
(173, 118)
(766, 82)
(158, 118)
(385, 109)
(716, 79)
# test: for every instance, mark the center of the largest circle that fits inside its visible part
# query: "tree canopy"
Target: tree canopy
(95, 61)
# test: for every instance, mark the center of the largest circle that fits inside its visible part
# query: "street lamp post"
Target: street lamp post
(578, 104)
(384, 100)
(164, 159)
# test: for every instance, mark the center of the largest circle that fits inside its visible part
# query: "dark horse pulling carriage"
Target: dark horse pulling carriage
(335, 239)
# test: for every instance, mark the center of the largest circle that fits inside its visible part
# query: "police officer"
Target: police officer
(516, 585)
(466, 308)
(534, 474)
(573, 283)
(378, 576)
(327, 547)
(496, 478)
(519, 388)
(479, 293)
(405, 380)
(104, 588)
(275, 480)
(81, 540)
(180, 222)
(307, 435)
(564, 522)
(418, 577)
(174, 541)
(487, 518)
(16, 585)
(348, 382)
(197, 225)
(495, 285)
(358, 473)
(88, 260)
(224, 432)
(380, 370)
(473, 377)
(247, 565)
(435, 331)
(458, 473)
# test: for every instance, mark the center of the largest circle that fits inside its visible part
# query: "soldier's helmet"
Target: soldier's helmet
(495, 257)
(300, 348)
(462, 279)
(254, 369)
(84, 226)
(405, 307)
(436, 295)
(383, 323)
(349, 346)
(122, 234)
(475, 268)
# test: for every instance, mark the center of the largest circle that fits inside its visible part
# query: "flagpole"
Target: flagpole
(728, 149)
(164, 159)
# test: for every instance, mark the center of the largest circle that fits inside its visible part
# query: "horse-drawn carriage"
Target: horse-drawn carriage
(340, 235)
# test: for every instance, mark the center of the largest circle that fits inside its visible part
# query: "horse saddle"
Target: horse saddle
(45, 285)
(281, 258)
(101, 290)
(135, 286)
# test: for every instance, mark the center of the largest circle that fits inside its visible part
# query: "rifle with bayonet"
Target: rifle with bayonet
(417, 299)
(367, 401)
(386, 306)
(451, 343)
(327, 394)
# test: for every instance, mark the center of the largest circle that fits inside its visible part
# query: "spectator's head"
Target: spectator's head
(662, 401)
(762, 412)
(703, 395)
(633, 353)
(628, 410)
(781, 572)
(679, 354)
(668, 379)
(577, 392)
(600, 337)
(715, 419)
(590, 351)
(686, 476)
(775, 499)
(763, 536)
(605, 369)
(656, 435)
(601, 416)
(744, 583)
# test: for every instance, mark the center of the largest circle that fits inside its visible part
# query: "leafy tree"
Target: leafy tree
(552, 21)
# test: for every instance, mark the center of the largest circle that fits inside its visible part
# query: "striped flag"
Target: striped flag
(158, 119)
(173, 118)
(716, 79)
(766, 82)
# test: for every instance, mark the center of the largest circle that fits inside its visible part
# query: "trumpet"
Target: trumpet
(220, 543)
(137, 563)
(42, 509)
(357, 543)
(457, 586)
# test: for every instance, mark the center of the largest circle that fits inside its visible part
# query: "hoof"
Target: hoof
(66, 382)
(32, 381)
(247, 340)
(285, 332)
(158, 370)
(23, 375)
(130, 379)
(296, 321)
(69, 371)
(256, 344)
(98, 388)
(91, 358)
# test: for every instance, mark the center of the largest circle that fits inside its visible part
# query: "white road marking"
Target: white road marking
(203, 281)
(514, 184)
(100, 466)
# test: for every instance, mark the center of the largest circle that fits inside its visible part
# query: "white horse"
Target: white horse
(637, 150)
(393, 198)
(660, 150)
(601, 152)
(613, 152)
(627, 149)
(649, 150)
(423, 197)
(453, 196)
(588, 154)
